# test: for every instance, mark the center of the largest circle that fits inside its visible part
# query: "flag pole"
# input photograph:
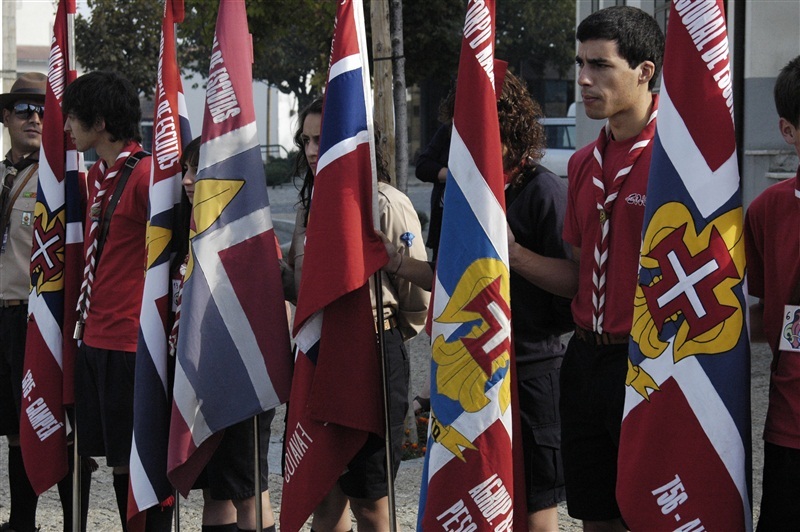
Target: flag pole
(176, 517)
(387, 425)
(76, 478)
(76, 463)
(257, 468)
(378, 281)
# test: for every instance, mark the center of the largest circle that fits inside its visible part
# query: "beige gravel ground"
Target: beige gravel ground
(103, 513)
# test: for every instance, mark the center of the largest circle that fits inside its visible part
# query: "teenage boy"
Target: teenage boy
(102, 112)
(772, 244)
(620, 52)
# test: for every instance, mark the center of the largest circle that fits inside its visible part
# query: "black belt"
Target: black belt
(5, 303)
(593, 338)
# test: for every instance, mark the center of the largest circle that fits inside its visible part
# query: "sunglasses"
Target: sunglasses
(25, 110)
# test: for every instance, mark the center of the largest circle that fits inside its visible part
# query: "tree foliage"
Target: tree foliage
(292, 39)
(291, 42)
(124, 37)
(432, 39)
(539, 33)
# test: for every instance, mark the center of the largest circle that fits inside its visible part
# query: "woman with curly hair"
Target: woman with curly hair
(536, 202)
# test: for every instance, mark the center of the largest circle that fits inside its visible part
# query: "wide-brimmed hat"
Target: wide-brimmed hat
(29, 86)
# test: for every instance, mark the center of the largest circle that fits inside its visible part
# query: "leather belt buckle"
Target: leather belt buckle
(388, 323)
(595, 339)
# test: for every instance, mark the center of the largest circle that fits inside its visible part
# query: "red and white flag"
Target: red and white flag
(233, 357)
(149, 485)
(468, 480)
(684, 456)
(334, 326)
(56, 265)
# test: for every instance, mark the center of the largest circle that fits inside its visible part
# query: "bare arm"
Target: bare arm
(416, 271)
(557, 276)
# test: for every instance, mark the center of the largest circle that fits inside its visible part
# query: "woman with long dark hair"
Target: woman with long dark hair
(363, 485)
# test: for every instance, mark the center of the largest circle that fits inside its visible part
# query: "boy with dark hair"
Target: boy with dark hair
(773, 275)
(113, 100)
(102, 112)
(636, 33)
(620, 52)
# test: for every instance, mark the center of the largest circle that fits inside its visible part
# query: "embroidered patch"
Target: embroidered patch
(636, 199)
(27, 218)
(790, 335)
(29, 194)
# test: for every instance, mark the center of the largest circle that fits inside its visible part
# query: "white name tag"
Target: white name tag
(176, 290)
(790, 332)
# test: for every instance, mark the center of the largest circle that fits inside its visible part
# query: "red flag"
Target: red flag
(468, 479)
(334, 325)
(149, 485)
(684, 452)
(55, 272)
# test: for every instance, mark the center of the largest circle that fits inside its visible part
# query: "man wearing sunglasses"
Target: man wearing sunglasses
(23, 110)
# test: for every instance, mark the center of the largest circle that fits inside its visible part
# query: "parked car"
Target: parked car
(560, 134)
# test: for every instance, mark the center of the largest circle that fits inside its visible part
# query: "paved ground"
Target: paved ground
(103, 513)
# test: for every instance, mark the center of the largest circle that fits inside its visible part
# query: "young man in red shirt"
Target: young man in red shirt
(620, 52)
(772, 243)
(102, 110)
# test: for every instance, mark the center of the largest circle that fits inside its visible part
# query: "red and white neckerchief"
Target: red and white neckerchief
(101, 186)
(605, 204)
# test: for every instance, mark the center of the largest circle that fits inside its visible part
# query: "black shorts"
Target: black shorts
(104, 403)
(592, 400)
(365, 477)
(229, 473)
(538, 386)
(13, 328)
(779, 508)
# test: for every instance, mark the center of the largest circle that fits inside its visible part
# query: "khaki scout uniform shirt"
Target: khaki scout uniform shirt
(15, 259)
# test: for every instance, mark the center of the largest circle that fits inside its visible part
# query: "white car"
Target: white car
(560, 134)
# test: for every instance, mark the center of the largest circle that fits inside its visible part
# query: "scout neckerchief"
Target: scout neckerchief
(605, 204)
(101, 186)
